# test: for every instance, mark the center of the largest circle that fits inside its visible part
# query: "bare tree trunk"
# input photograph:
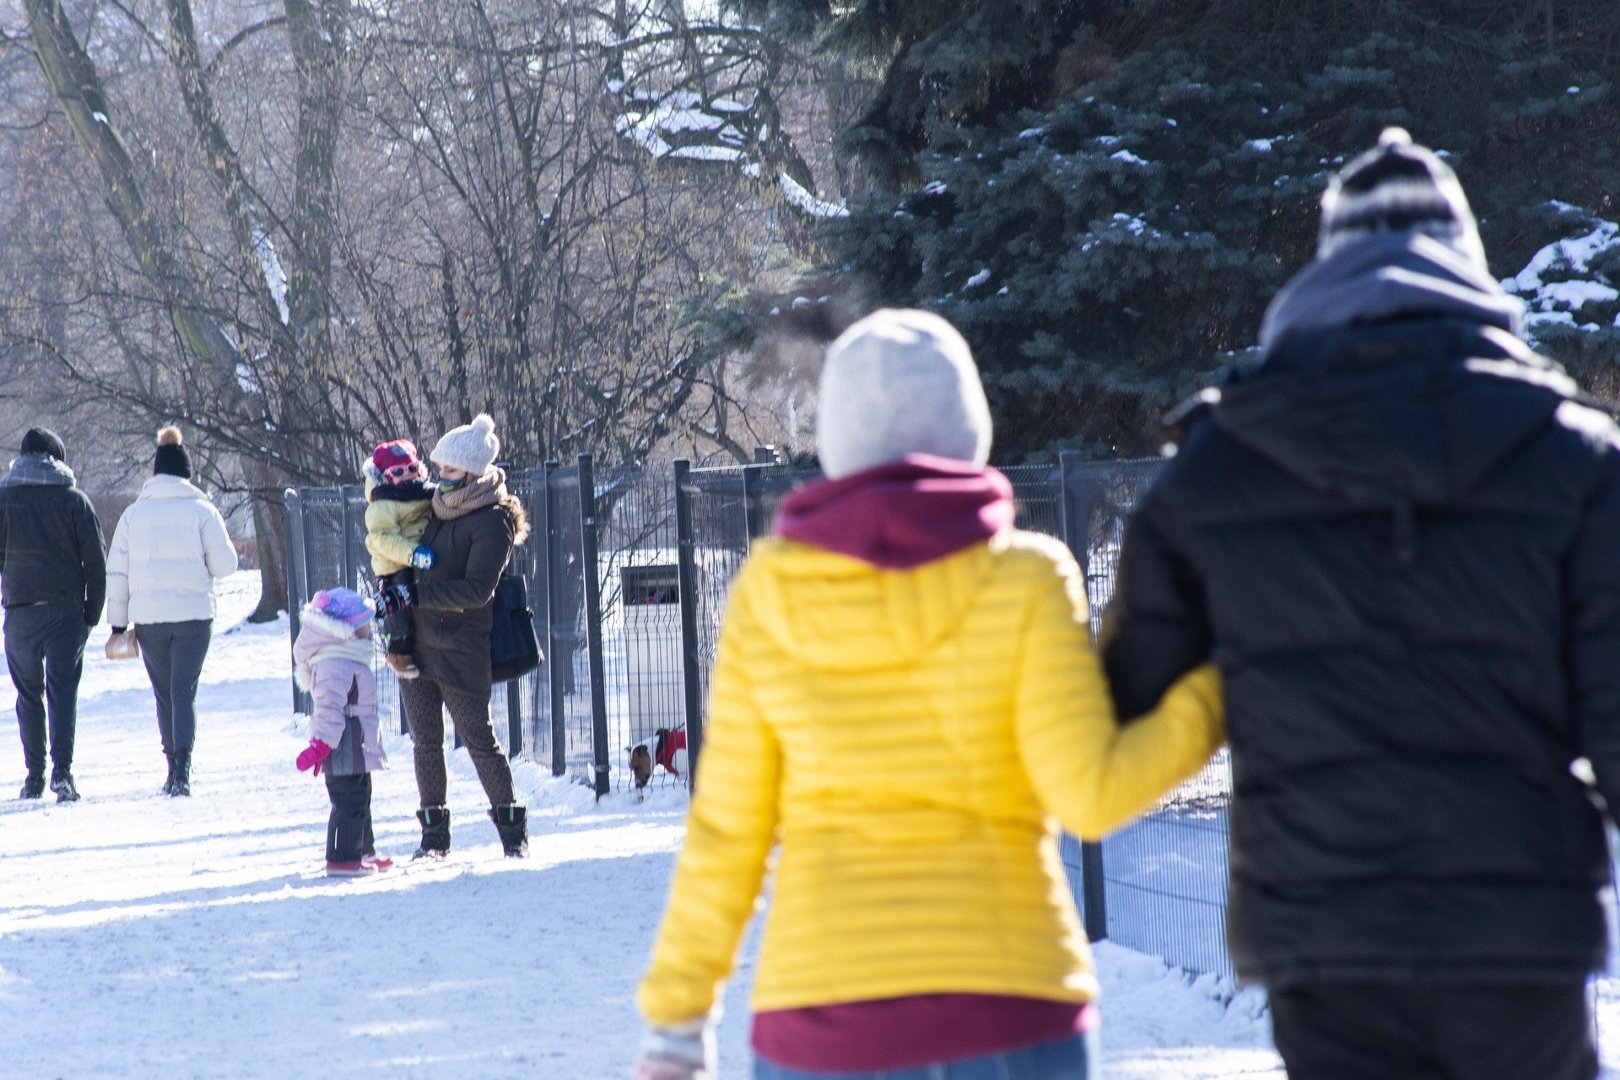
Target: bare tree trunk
(270, 531)
(269, 528)
(78, 88)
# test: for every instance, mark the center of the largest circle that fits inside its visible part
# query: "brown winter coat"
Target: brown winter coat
(453, 615)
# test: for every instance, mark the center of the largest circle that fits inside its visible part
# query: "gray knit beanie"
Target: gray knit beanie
(900, 382)
(1399, 186)
(472, 448)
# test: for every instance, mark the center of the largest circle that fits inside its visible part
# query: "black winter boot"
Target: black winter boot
(435, 832)
(62, 784)
(181, 784)
(33, 786)
(168, 783)
(512, 822)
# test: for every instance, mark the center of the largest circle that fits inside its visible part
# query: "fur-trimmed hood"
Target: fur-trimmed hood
(321, 637)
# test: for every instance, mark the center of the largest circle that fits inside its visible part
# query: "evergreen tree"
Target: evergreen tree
(1105, 196)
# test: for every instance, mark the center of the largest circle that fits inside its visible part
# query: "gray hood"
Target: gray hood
(38, 470)
(1387, 275)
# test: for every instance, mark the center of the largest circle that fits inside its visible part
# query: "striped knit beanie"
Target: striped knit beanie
(1399, 186)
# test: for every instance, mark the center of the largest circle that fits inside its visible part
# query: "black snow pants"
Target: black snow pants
(1434, 1031)
(348, 829)
(45, 652)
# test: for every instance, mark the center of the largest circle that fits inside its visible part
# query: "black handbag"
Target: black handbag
(514, 647)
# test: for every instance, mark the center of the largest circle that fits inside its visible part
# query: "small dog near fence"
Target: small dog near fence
(665, 747)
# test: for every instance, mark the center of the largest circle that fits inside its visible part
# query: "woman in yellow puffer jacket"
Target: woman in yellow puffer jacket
(906, 700)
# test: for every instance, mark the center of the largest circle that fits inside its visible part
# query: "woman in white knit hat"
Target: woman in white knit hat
(906, 700)
(475, 525)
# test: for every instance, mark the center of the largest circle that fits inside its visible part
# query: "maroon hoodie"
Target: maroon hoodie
(900, 515)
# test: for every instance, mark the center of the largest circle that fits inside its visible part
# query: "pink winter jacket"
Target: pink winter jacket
(335, 668)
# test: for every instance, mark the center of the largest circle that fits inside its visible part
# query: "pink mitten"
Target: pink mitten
(312, 756)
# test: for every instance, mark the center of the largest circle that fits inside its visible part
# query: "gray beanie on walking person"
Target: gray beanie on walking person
(1399, 186)
(472, 448)
(900, 382)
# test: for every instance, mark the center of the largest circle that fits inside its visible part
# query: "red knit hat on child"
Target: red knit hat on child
(397, 461)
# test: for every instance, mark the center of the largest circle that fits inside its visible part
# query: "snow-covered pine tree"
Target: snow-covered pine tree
(1104, 196)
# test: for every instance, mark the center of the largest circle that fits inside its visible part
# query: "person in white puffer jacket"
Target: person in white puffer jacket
(167, 551)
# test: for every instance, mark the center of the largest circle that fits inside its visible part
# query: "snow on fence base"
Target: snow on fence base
(617, 669)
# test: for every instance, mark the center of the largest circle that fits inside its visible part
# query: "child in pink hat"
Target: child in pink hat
(333, 654)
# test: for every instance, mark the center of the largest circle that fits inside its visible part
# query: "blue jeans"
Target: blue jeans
(1069, 1058)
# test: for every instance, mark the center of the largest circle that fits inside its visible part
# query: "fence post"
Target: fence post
(753, 511)
(686, 566)
(1074, 505)
(297, 583)
(555, 679)
(593, 624)
(346, 541)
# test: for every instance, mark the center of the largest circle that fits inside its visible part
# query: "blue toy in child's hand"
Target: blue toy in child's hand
(422, 557)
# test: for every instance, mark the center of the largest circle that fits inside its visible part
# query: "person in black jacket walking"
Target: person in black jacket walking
(1399, 538)
(53, 582)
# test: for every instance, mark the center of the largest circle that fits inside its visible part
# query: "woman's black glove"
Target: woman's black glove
(394, 599)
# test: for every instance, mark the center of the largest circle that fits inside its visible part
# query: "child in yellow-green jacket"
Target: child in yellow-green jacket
(399, 505)
(906, 701)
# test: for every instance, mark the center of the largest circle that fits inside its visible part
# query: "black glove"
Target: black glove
(394, 599)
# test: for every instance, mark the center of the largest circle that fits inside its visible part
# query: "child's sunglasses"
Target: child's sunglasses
(395, 473)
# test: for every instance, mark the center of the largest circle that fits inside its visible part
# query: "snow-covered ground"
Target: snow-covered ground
(147, 937)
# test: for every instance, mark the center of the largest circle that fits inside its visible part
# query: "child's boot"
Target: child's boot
(358, 868)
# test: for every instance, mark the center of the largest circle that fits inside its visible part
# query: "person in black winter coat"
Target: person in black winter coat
(1399, 538)
(53, 583)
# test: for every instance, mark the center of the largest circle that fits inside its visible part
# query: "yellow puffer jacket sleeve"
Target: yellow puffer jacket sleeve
(393, 529)
(729, 834)
(1090, 772)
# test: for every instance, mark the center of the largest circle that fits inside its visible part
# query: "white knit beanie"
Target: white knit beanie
(1399, 186)
(900, 382)
(472, 448)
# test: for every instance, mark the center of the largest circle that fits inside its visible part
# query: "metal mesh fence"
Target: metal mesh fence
(513, 703)
(641, 614)
(571, 685)
(1164, 875)
(720, 542)
(1038, 495)
(1158, 885)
